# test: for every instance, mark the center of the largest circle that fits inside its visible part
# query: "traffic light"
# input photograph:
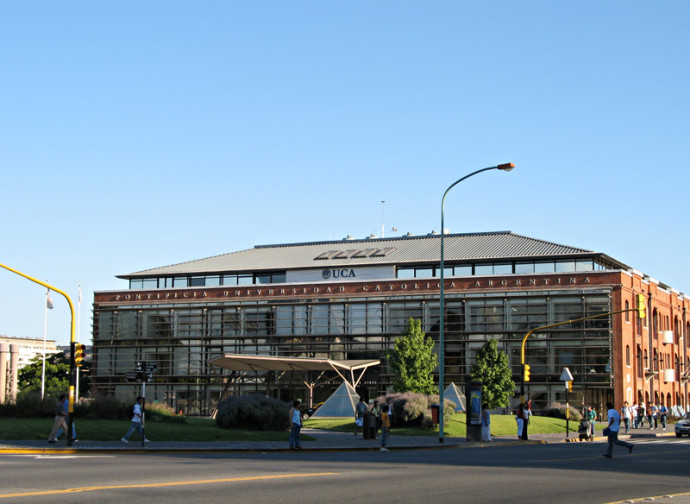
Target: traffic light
(570, 385)
(79, 353)
(527, 378)
(641, 307)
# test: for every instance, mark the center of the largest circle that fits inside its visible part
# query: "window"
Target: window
(627, 313)
(483, 269)
(627, 355)
(524, 267)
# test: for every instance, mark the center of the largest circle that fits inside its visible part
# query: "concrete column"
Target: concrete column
(4, 349)
(14, 372)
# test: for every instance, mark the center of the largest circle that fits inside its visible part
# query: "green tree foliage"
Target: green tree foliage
(493, 369)
(413, 360)
(57, 375)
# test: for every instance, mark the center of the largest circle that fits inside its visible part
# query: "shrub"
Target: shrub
(103, 408)
(412, 409)
(160, 412)
(29, 405)
(557, 410)
(253, 412)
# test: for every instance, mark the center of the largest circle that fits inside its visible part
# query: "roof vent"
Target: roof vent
(409, 234)
(372, 236)
(348, 237)
(434, 232)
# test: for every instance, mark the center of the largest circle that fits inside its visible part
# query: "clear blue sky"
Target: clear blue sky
(141, 134)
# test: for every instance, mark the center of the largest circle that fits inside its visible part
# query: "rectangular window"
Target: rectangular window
(357, 318)
(565, 266)
(544, 267)
(503, 269)
(180, 281)
(524, 267)
(405, 272)
(584, 265)
(213, 281)
(424, 273)
(463, 270)
(197, 281)
(483, 269)
(150, 283)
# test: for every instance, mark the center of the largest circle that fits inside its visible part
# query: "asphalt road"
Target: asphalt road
(530, 473)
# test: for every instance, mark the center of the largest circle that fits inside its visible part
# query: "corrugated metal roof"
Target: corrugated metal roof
(488, 246)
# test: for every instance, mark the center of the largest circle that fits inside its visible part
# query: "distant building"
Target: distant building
(15, 353)
(29, 348)
(350, 299)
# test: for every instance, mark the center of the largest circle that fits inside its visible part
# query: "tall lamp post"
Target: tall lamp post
(504, 167)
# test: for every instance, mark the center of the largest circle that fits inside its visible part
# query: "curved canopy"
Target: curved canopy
(239, 362)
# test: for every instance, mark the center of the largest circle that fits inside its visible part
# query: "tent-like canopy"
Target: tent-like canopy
(239, 362)
(351, 371)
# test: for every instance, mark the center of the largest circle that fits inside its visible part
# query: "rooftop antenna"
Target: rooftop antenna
(383, 219)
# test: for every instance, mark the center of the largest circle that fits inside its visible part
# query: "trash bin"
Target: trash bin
(369, 426)
(435, 408)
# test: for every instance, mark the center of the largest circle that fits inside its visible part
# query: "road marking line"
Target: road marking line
(159, 485)
(649, 498)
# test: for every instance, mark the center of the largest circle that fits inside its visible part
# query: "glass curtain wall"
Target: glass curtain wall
(183, 339)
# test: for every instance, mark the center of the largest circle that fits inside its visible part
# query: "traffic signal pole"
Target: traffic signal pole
(72, 372)
(524, 366)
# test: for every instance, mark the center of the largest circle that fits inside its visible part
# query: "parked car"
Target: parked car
(683, 425)
(310, 411)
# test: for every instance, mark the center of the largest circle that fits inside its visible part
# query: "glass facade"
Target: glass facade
(182, 338)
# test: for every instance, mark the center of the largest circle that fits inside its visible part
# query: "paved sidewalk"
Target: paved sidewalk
(323, 440)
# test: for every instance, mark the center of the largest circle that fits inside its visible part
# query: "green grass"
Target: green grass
(204, 429)
(501, 425)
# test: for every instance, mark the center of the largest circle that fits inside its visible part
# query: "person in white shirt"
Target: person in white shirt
(137, 421)
(626, 413)
(613, 428)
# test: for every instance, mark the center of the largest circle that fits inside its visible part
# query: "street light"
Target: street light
(504, 167)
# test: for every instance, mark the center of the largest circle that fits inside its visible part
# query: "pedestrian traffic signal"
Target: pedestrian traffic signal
(641, 307)
(79, 353)
(526, 374)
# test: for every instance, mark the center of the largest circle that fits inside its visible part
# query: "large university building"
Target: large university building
(350, 299)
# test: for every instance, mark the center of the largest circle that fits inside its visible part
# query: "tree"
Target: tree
(412, 360)
(57, 375)
(493, 369)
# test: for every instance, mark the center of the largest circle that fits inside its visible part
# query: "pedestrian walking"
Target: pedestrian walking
(663, 411)
(137, 421)
(641, 412)
(654, 416)
(486, 423)
(626, 414)
(60, 424)
(592, 417)
(295, 416)
(360, 411)
(633, 412)
(385, 426)
(612, 431)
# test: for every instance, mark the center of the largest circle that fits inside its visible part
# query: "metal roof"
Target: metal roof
(489, 246)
